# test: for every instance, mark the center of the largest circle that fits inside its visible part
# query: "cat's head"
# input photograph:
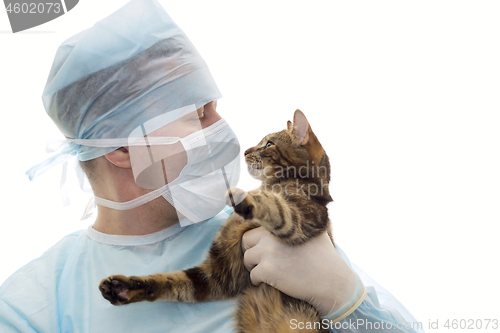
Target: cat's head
(291, 153)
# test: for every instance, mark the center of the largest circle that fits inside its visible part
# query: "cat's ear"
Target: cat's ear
(304, 135)
(301, 127)
(289, 125)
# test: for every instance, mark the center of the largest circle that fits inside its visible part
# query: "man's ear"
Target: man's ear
(120, 158)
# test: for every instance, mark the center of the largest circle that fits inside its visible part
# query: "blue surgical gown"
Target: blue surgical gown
(58, 292)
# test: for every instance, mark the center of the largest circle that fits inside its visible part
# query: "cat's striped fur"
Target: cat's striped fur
(286, 205)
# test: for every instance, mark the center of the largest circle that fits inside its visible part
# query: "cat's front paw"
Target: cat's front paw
(120, 290)
(243, 202)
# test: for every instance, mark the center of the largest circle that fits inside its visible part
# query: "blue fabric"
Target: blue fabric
(58, 292)
(380, 311)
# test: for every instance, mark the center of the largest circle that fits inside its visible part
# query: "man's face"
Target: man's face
(173, 156)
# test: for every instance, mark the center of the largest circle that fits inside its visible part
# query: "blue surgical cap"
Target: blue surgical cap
(128, 68)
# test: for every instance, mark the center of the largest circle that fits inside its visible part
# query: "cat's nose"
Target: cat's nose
(248, 151)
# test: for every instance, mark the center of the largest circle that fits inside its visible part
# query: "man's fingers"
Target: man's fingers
(251, 238)
(252, 257)
(256, 276)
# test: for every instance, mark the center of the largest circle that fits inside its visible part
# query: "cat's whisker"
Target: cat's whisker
(255, 165)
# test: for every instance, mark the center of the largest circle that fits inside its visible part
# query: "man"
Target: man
(137, 105)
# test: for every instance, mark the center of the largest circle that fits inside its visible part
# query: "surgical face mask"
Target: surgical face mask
(193, 173)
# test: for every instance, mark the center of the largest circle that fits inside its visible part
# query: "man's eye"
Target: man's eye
(269, 144)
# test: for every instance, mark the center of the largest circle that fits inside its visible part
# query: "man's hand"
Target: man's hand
(313, 272)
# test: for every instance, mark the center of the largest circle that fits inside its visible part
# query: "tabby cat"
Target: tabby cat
(291, 204)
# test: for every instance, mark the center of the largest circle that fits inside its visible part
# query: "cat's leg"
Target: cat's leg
(120, 289)
(289, 215)
(222, 275)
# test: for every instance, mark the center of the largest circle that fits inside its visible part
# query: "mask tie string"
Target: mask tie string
(89, 209)
(67, 151)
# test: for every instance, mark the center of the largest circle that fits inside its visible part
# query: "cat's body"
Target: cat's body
(291, 204)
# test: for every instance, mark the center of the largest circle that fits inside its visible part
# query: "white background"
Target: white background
(403, 95)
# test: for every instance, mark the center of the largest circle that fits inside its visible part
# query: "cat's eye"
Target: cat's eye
(269, 144)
